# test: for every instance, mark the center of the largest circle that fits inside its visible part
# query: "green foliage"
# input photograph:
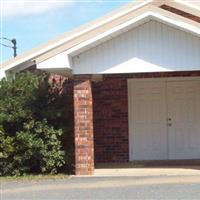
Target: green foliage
(17, 97)
(6, 150)
(31, 125)
(41, 148)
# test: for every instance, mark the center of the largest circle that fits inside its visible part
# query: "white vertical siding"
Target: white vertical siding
(150, 47)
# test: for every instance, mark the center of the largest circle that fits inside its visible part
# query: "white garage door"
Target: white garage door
(164, 120)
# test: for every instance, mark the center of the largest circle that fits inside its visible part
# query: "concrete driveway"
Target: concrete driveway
(132, 187)
(123, 170)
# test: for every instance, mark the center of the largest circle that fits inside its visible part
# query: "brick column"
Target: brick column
(83, 124)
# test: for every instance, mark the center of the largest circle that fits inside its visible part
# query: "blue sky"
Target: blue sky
(33, 22)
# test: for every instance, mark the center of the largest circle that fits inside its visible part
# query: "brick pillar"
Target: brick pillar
(83, 123)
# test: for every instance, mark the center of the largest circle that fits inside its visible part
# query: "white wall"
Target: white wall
(2, 74)
(58, 61)
(151, 47)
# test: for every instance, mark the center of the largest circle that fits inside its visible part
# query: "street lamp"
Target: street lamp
(13, 41)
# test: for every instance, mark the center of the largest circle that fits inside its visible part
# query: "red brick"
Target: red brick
(111, 114)
(101, 125)
(83, 122)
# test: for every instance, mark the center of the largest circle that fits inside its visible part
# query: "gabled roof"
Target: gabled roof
(121, 18)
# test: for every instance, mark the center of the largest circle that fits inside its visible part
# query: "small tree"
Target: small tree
(30, 140)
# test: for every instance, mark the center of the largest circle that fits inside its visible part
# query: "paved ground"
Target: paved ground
(154, 187)
(149, 171)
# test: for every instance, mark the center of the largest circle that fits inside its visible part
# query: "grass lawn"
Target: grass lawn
(33, 177)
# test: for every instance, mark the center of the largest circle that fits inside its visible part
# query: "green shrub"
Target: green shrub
(41, 146)
(6, 152)
(17, 97)
(30, 135)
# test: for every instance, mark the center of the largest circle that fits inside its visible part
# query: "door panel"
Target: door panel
(184, 111)
(147, 121)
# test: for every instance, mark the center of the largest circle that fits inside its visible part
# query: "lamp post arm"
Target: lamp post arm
(4, 38)
(13, 41)
(5, 45)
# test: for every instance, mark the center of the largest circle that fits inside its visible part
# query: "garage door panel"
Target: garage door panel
(148, 117)
(140, 109)
(148, 145)
(165, 120)
(179, 139)
(184, 110)
(194, 139)
(156, 110)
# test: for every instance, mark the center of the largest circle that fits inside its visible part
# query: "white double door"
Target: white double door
(164, 120)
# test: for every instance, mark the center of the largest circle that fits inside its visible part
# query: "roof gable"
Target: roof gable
(150, 47)
(124, 17)
(152, 13)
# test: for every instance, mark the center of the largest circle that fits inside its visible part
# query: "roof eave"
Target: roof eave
(56, 47)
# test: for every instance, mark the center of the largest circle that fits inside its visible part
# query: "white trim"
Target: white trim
(107, 33)
(66, 39)
(18, 63)
(150, 15)
(146, 80)
(98, 24)
(129, 121)
(153, 14)
(181, 24)
(186, 3)
(167, 114)
(61, 60)
(2, 74)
